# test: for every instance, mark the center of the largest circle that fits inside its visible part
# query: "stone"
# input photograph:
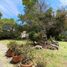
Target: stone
(38, 47)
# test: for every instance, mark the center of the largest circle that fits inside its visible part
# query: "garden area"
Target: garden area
(37, 38)
(44, 57)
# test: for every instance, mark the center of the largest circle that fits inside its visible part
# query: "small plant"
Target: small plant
(11, 49)
(18, 51)
(40, 63)
(12, 45)
(35, 37)
(27, 53)
(17, 57)
(26, 60)
(27, 56)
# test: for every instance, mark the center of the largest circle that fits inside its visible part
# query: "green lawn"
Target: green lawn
(18, 41)
(53, 58)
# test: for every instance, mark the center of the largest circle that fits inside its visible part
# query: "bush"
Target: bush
(40, 62)
(27, 54)
(62, 37)
(12, 45)
(9, 35)
(34, 36)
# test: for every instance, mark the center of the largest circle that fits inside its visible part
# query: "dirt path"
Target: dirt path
(4, 61)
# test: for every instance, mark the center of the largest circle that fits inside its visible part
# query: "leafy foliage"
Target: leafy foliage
(43, 18)
(8, 29)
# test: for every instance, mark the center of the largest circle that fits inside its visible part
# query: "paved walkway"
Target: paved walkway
(1, 65)
(4, 61)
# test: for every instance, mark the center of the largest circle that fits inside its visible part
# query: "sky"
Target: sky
(11, 8)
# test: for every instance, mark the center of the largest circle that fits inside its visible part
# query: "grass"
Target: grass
(18, 41)
(53, 58)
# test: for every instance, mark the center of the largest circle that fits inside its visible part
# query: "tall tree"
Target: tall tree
(37, 14)
(43, 17)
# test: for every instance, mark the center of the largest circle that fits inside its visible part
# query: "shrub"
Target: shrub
(12, 45)
(9, 35)
(40, 62)
(18, 51)
(27, 54)
(34, 36)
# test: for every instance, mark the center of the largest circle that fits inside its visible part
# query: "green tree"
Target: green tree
(8, 28)
(43, 17)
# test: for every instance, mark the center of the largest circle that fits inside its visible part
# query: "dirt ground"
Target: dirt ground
(4, 61)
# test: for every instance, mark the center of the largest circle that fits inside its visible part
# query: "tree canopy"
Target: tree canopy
(39, 15)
